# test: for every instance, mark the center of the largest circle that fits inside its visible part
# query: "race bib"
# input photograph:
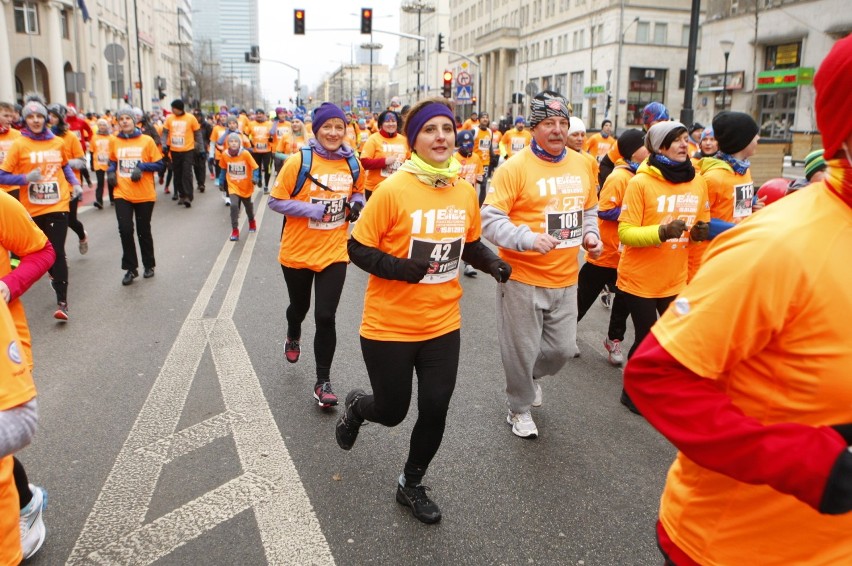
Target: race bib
(517, 144)
(389, 170)
(103, 158)
(444, 258)
(44, 193)
(484, 144)
(237, 171)
(567, 227)
(178, 141)
(126, 166)
(335, 213)
(742, 200)
(260, 146)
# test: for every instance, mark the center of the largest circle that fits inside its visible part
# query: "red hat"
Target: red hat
(833, 83)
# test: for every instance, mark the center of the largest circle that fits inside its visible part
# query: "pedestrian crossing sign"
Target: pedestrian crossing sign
(464, 92)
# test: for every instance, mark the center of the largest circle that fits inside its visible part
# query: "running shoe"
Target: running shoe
(252, 226)
(324, 395)
(469, 271)
(292, 350)
(348, 425)
(606, 299)
(235, 234)
(628, 402)
(129, 277)
(537, 401)
(61, 311)
(522, 424)
(148, 273)
(84, 243)
(424, 509)
(32, 523)
(616, 357)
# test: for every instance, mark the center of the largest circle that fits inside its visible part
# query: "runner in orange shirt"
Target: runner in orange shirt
(544, 207)
(748, 374)
(313, 243)
(471, 171)
(134, 158)
(8, 134)
(181, 141)
(237, 167)
(261, 134)
(100, 162)
(38, 162)
(599, 144)
(384, 151)
(576, 140)
(600, 272)
(664, 211)
(412, 238)
(77, 161)
(516, 139)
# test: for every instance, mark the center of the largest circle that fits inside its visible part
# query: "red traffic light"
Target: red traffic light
(299, 22)
(448, 76)
(366, 20)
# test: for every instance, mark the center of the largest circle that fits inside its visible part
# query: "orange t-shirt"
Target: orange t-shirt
(547, 197)
(496, 136)
(659, 271)
(763, 320)
(238, 172)
(313, 244)
(482, 144)
(127, 153)
(598, 146)
(6, 141)
(20, 236)
(292, 143)
(410, 219)
(514, 141)
(16, 388)
(471, 167)
(379, 146)
(612, 195)
(352, 131)
(73, 149)
(53, 192)
(215, 134)
(100, 151)
(282, 129)
(259, 134)
(181, 132)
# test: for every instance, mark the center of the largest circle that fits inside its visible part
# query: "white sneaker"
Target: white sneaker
(522, 424)
(606, 299)
(469, 271)
(616, 358)
(538, 398)
(31, 522)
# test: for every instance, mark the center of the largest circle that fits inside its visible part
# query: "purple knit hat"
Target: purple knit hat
(325, 112)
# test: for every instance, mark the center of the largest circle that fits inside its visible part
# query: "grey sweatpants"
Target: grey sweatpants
(537, 331)
(235, 209)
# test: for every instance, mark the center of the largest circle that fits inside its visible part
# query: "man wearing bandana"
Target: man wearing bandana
(543, 207)
(747, 374)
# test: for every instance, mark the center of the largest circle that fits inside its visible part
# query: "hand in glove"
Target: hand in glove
(318, 212)
(354, 211)
(77, 164)
(136, 175)
(76, 191)
(413, 270)
(34, 176)
(112, 181)
(672, 230)
(500, 270)
(700, 231)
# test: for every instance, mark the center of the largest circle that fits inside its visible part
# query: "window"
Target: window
(576, 96)
(26, 17)
(783, 56)
(63, 23)
(684, 36)
(661, 32)
(643, 32)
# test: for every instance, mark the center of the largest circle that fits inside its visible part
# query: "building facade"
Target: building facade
(112, 53)
(410, 75)
(776, 46)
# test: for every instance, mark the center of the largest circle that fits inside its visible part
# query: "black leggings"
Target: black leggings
(22, 483)
(644, 313)
(390, 366)
(591, 282)
(73, 223)
(329, 286)
(262, 160)
(55, 227)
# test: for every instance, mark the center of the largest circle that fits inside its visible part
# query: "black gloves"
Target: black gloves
(412, 270)
(672, 230)
(354, 211)
(112, 181)
(500, 270)
(700, 231)
(165, 152)
(136, 175)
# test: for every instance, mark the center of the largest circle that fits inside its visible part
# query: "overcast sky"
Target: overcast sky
(317, 53)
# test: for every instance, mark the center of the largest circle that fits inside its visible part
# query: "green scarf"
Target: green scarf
(432, 176)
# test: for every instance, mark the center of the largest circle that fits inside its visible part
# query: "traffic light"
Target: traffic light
(366, 20)
(299, 22)
(440, 42)
(448, 84)
(473, 100)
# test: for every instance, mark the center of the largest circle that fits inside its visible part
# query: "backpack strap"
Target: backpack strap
(354, 168)
(304, 170)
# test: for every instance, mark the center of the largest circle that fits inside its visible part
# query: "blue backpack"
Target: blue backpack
(305, 171)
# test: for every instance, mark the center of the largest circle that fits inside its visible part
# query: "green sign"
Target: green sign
(593, 90)
(785, 78)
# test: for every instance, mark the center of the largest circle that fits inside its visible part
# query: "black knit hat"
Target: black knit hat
(734, 131)
(629, 142)
(178, 103)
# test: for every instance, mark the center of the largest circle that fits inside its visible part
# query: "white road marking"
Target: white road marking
(115, 531)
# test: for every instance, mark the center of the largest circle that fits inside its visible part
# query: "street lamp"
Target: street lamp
(727, 45)
(371, 46)
(418, 6)
(618, 64)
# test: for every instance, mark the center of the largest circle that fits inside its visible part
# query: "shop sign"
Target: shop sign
(785, 78)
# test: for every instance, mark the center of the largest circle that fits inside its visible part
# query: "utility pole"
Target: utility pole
(418, 6)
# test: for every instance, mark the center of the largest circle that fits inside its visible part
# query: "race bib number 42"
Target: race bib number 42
(444, 257)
